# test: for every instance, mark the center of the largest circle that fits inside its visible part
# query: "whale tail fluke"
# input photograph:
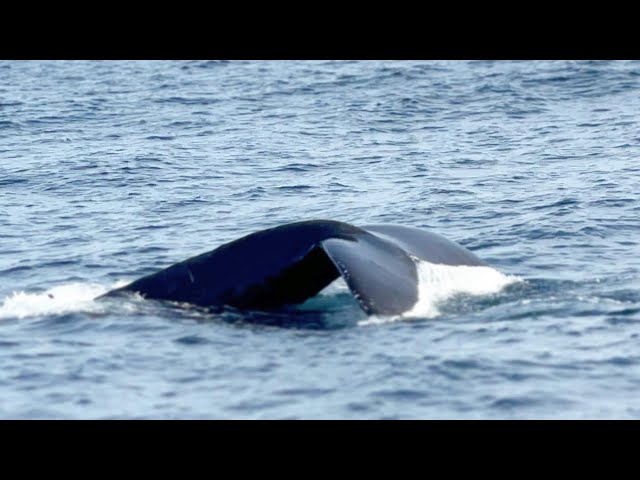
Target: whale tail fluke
(288, 264)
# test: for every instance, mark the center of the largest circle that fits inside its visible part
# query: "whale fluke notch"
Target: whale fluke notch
(290, 263)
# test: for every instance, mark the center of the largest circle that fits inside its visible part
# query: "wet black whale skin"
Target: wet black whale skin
(290, 263)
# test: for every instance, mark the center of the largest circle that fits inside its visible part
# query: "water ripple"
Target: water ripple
(110, 170)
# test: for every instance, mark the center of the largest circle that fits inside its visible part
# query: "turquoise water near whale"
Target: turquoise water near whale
(110, 170)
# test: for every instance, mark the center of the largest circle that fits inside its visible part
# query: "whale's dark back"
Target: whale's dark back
(291, 263)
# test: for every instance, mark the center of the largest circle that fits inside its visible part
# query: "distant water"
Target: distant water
(113, 170)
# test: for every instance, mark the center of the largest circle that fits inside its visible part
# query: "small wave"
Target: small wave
(71, 297)
(438, 283)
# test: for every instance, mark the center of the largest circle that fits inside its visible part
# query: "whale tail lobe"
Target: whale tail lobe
(288, 264)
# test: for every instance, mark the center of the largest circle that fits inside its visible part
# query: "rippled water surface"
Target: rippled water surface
(113, 170)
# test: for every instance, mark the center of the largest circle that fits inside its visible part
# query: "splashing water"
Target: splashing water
(438, 283)
(71, 297)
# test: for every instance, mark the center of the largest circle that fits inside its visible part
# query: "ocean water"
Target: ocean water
(113, 170)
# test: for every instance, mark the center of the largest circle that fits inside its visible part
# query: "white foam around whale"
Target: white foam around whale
(71, 297)
(438, 283)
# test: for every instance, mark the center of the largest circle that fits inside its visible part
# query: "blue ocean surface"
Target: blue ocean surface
(111, 170)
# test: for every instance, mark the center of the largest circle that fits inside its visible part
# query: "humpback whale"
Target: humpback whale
(288, 264)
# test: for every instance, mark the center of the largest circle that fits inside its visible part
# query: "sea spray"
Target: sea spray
(71, 297)
(438, 283)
